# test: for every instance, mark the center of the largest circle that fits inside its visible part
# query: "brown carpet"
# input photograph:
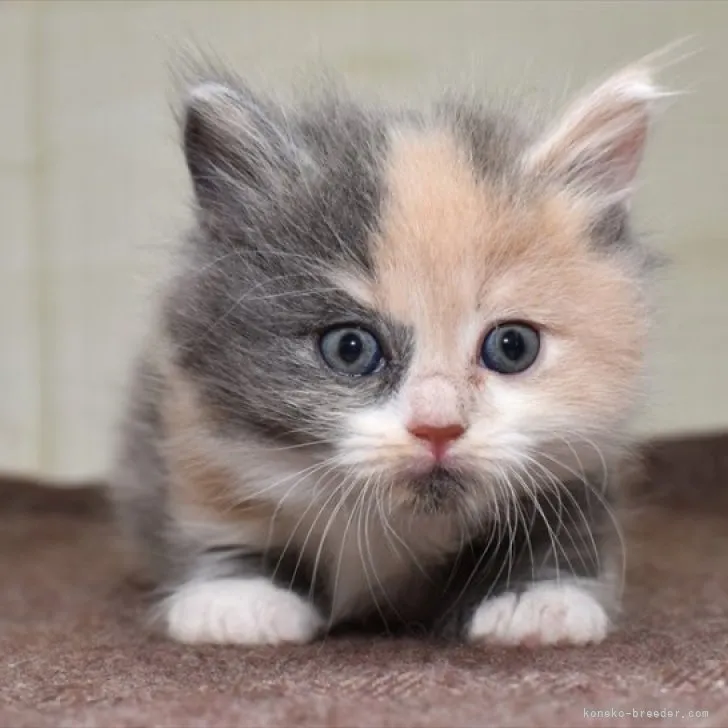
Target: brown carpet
(72, 653)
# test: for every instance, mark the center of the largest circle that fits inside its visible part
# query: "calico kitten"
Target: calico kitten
(390, 378)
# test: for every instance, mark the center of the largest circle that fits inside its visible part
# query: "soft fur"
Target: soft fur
(275, 499)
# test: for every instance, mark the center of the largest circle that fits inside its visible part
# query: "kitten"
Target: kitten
(390, 379)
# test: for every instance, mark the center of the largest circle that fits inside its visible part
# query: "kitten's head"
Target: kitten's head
(447, 305)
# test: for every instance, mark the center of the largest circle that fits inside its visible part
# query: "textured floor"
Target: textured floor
(72, 654)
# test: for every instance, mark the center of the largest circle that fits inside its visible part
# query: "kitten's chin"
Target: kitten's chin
(434, 490)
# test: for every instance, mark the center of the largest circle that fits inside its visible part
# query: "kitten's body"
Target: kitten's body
(274, 496)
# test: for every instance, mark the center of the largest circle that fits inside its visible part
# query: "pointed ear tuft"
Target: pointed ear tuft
(209, 115)
(598, 144)
(230, 144)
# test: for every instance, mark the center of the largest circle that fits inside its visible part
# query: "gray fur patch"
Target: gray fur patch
(255, 293)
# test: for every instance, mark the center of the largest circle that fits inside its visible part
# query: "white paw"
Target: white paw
(545, 614)
(240, 611)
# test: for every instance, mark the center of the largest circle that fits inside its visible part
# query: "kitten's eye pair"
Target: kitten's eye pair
(509, 348)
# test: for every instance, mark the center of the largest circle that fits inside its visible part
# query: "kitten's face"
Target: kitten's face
(442, 309)
(522, 337)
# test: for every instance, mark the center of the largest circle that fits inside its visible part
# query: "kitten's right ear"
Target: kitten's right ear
(598, 144)
(231, 145)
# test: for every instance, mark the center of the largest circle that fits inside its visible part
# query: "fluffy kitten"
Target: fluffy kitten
(390, 379)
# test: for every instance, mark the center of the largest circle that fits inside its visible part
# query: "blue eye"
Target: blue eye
(510, 348)
(351, 350)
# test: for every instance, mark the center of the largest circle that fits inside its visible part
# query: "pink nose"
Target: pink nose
(438, 438)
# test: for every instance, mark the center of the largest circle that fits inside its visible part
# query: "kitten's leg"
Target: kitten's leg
(557, 586)
(240, 605)
(211, 594)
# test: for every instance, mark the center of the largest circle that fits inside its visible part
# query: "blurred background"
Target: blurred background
(93, 190)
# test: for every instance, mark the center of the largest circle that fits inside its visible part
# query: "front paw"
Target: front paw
(547, 613)
(240, 611)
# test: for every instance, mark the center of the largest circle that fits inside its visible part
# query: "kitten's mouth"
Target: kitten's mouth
(439, 489)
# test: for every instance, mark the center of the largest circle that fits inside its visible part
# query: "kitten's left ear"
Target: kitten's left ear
(598, 144)
(234, 146)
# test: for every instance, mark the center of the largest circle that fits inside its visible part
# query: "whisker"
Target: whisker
(343, 542)
(294, 530)
(347, 486)
(360, 501)
(302, 548)
(531, 492)
(391, 532)
(554, 532)
(375, 570)
(560, 490)
(495, 536)
(609, 511)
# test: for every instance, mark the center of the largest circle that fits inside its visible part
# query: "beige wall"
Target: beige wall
(92, 186)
